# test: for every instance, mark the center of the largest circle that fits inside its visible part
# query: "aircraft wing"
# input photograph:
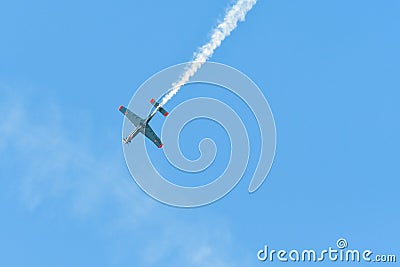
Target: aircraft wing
(149, 133)
(135, 119)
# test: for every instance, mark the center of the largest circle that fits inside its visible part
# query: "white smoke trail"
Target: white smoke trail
(234, 14)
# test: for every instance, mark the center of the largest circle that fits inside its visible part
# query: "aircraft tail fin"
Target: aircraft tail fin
(160, 109)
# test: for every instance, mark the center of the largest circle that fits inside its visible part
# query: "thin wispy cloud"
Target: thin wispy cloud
(200, 242)
(52, 170)
(53, 166)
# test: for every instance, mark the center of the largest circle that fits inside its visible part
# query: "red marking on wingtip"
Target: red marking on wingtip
(160, 146)
(152, 100)
(166, 114)
(120, 107)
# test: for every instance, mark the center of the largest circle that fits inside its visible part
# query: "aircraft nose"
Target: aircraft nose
(120, 108)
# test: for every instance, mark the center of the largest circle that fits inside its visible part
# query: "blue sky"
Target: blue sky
(329, 69)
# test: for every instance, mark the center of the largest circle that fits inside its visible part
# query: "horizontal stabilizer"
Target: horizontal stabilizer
(157, 105)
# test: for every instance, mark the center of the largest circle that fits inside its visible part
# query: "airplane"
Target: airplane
(142, 125)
